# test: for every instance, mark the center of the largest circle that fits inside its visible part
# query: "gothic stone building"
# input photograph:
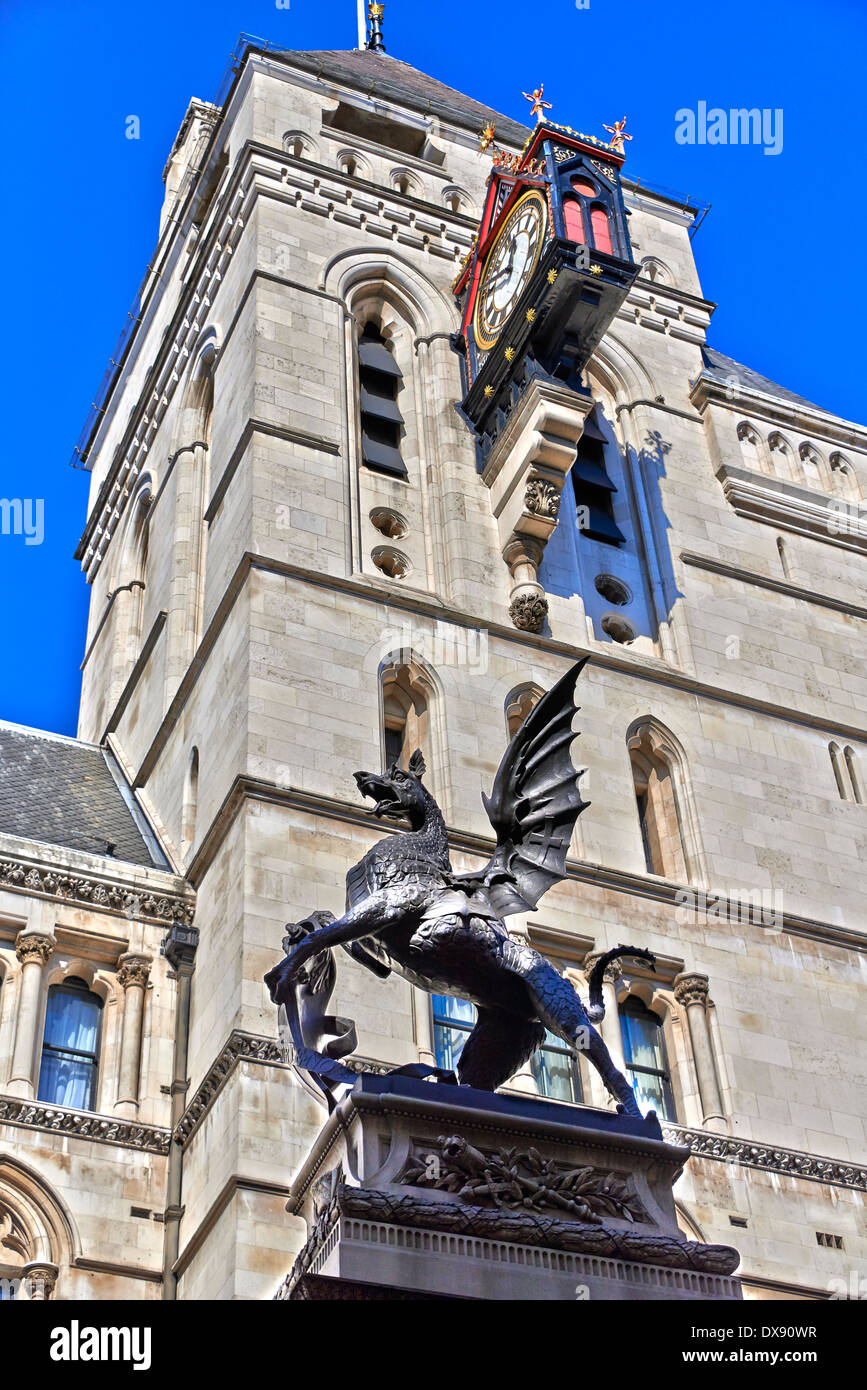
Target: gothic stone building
(298, 569)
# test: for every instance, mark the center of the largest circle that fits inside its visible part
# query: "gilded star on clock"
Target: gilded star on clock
(538, 107)
(618, 135)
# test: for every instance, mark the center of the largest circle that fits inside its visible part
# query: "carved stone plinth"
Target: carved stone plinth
(440, 1191)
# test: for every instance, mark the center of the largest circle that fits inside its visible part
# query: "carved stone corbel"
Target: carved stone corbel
(525, 472)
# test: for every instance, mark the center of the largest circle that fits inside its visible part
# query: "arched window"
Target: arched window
(518, 706)
(406, 697)
(751, 447)
(666, 820)
(843, 478)
(851, 768)
(601, 228)
(586, 217)
(593, 488)
(812, 465)
(379, 381)
(190, 806)
(299, 145)
(782, 457)
(70, 1048)
(834, 754)
(574, 220)
(646, 1059)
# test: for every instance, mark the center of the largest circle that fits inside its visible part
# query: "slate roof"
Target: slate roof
(378, 75)
(64, 792)
(722, 367)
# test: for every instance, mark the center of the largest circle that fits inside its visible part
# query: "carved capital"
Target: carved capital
(34, 948)
(542, 498)
(528, 612)
(613, 971)
(40, 1278)
(691, 989)
(134, 970)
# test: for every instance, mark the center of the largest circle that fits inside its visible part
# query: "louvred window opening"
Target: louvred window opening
(380, 380)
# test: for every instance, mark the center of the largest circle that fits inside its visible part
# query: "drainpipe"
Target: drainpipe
(179, 949)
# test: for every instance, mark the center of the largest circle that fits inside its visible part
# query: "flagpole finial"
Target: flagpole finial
(375, 12)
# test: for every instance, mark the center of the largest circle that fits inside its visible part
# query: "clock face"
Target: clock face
(509, 265)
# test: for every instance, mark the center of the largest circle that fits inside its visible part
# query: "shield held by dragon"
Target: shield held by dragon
(407, 911)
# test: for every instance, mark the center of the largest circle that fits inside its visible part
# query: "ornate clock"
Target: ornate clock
(551, 266)
(509, 265)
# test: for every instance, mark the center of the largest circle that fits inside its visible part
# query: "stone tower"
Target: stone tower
(299, 569)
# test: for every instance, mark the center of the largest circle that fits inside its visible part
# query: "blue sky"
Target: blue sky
(779, 251)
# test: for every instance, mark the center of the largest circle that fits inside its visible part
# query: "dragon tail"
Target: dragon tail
(596, 1008)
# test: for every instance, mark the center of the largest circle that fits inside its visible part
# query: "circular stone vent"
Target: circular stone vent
(612, 590)
(391, 562)
(618, 629)
(389, 523)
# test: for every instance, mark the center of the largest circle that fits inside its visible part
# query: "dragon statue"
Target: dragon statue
(407, 911)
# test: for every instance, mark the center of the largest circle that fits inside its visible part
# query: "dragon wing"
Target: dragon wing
(535, 803)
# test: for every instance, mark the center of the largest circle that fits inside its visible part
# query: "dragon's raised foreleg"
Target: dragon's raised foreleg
(387, 908)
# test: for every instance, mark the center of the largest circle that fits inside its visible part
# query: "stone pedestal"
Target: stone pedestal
(421, 1190)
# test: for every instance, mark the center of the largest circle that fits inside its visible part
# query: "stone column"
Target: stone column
(609, 1026)
(40, 1277)
(133, 978)
(33, 949)
(691, 992)
(423, 1026)
(523, 1081)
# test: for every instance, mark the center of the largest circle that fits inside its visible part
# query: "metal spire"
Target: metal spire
(375, 12)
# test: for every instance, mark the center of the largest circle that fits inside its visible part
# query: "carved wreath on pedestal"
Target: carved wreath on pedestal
(521, 1180)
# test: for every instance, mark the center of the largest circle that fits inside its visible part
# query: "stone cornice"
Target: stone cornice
(747, 1153)
(99, 891)
(777, 586)
(790, 508)
(656, 672)
(616, 880)
(242, 1047)
(707, 390)
(82, 1124)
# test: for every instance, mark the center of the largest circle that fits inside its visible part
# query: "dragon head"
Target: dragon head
(398, 792)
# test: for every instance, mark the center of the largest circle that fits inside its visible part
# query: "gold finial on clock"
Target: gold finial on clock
(618, 135)
(538, 107)
(486, 137)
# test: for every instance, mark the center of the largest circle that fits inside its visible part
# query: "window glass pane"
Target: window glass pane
(449, 1039)
(556, 1074)
(448, 1045)
(72, 1021)
(652, 1093)
(66, 1080)
(457, 1010)
(642, 1042)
